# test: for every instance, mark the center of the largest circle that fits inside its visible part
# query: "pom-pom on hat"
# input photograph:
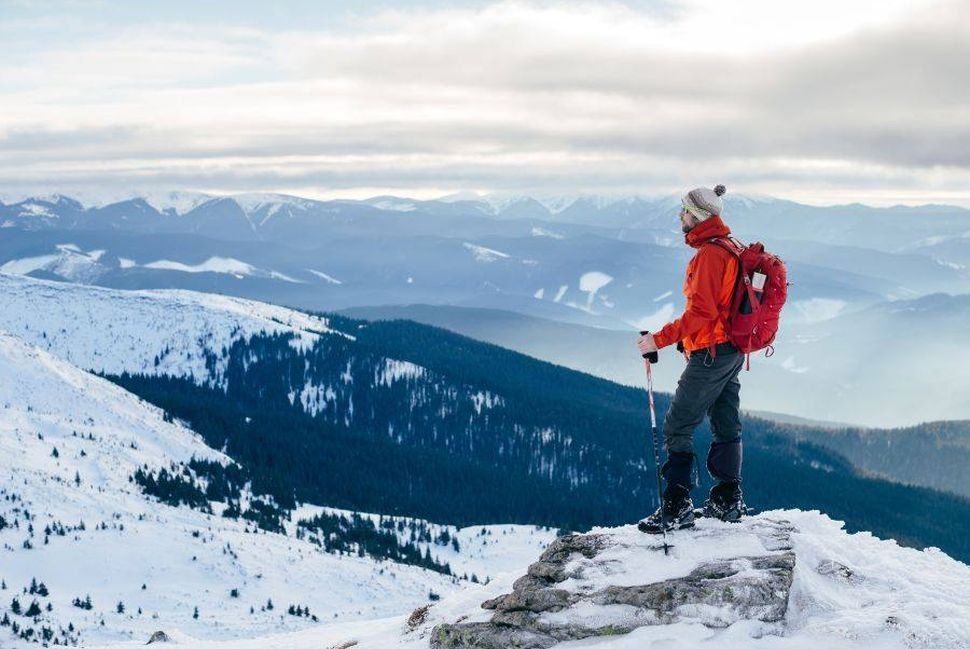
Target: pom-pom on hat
(704, 203)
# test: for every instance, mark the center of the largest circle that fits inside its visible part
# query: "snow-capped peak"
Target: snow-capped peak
(174, 202)
(252, 202)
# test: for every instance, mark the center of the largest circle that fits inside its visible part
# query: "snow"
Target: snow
(11, 198)
(850, 591)
(484, 254)
(224, 265)
(395, 205)
(31, 208)
(501, 202)
(70, 262)
(74, 264)
(460, 196)
(28, 264)
(556, 203)
(394, 370)
(819, 309)
(324, 276)
(591, 283)
(212, 265)
(185, 558)
(483, 399)
(252, 202)
(542, 232)
(315, 398)
(174, 201)
(114, 331)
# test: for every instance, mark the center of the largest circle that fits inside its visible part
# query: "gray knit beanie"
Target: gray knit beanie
(704, 203)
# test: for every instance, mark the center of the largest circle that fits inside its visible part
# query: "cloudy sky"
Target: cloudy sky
(826, 101)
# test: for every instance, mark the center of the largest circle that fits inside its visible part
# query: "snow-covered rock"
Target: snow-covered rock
(780, 579)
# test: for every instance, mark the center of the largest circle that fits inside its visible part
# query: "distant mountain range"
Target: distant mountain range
(282, 217)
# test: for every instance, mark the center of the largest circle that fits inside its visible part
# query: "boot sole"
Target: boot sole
(733, 517)
(649, 530)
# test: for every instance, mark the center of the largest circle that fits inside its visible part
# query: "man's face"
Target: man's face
(687, 220)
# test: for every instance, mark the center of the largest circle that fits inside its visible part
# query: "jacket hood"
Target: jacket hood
(706, 230)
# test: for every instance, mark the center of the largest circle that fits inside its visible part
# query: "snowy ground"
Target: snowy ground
(163, 563)
(849, 592)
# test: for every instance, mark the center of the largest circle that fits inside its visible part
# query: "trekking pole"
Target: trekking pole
(650, 359)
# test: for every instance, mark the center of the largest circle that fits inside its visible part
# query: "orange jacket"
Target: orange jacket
(709, 286)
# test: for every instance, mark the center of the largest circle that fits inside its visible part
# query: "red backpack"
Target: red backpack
(759, 295)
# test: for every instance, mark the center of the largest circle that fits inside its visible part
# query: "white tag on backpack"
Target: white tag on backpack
(758, 281)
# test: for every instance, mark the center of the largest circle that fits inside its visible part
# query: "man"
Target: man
(709, 385)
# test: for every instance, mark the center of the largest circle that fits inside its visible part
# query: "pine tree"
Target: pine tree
(195, 613)
(121, 607)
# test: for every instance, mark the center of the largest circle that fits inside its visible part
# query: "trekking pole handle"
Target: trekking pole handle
(653, 357)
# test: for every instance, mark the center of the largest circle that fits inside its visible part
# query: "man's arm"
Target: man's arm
(704, 288)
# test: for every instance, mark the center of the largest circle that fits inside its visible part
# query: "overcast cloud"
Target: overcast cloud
(823, 102)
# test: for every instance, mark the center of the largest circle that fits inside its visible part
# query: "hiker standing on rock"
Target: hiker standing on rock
(709, 385)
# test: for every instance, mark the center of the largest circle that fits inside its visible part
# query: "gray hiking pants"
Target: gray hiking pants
(709, 386)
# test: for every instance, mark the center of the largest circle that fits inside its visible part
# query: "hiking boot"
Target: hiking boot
(676, 512)
(725, 503)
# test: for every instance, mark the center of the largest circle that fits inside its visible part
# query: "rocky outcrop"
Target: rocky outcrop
(587, 585)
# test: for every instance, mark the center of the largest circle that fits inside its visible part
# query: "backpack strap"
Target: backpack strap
(734, 247)
(730, 244)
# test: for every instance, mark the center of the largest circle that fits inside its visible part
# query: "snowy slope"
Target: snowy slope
(161, 562)
(113, 331)
(847, 592)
